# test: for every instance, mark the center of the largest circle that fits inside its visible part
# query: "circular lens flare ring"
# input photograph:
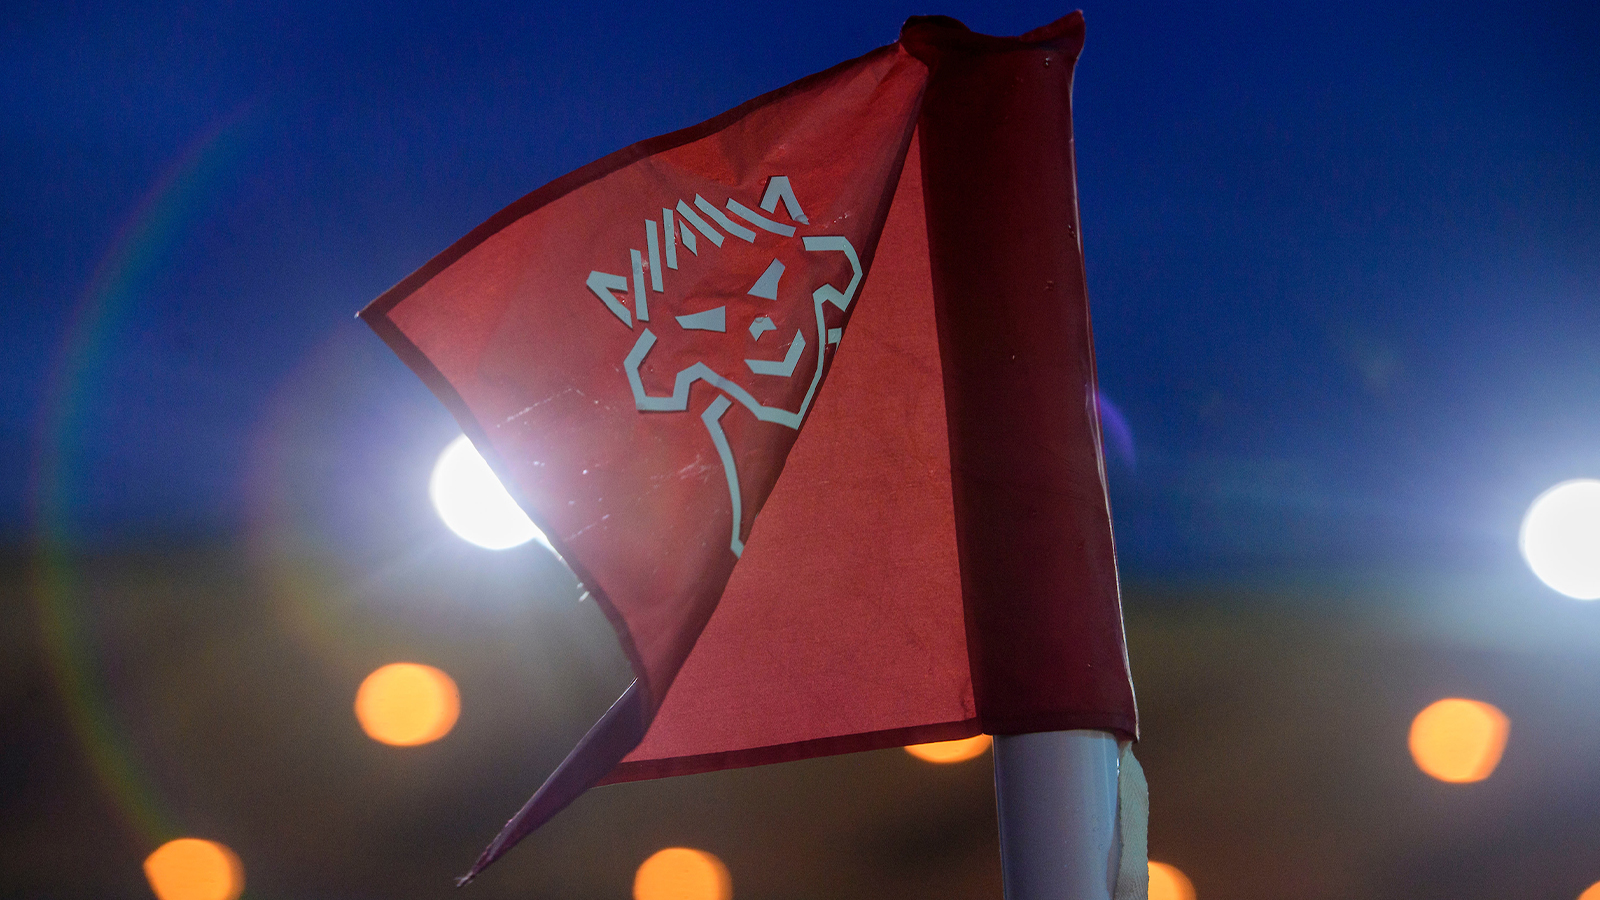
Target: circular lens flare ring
(682, 873)
(406, 704)
(1459, 740)
(473, 502)
(1169, 883)
(194, 869)
(1560, 538)
(951, 751)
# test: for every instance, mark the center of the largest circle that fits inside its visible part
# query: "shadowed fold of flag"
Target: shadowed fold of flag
(805, 396)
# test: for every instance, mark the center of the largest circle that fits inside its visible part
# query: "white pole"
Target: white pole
(1057, 797)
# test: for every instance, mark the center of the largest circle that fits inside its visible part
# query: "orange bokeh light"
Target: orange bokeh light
(406, 704)
(1459, 740)
(951, 751)
(1168, 883)
(679, 873)
(1593, 892)
(192, 869)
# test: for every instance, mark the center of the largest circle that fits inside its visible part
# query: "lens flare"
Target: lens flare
(1114, 429)
(92, 354)
(1168, 883)
(192, 869)
(1459, 740)
(406, 704)
(679, 873)
(473, 502)
(951, 751)
(1560, 538)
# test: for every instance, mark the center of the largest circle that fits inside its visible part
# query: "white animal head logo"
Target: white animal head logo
(686, 225)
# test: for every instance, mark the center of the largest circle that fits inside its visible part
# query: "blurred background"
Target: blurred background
(1345, 275)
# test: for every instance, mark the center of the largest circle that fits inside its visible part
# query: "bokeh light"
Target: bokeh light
(679, 873)
(193, 869)
(1459, 740)
(1168, 883)
(473, 502)
(406, 704)
(1560, 538)
(1592, 893)
(951, 751)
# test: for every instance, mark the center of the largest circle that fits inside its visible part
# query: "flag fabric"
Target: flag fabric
(805, 396)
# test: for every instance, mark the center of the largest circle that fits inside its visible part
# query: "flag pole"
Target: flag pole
(1056, 792)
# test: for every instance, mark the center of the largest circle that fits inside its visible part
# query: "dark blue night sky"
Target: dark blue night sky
(1344, 262)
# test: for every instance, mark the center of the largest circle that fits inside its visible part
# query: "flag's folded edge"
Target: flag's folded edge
(623, 726)
(376, 315)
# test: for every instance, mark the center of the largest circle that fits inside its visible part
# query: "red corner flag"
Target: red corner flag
(805, 396)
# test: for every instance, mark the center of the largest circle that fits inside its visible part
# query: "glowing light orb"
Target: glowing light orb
(406, 704)
(1459, 740)
(473, 502)
(1168, 883)
(679, 873)
(1591, 893)
(1560, 538)
(192, 869)
(951, 751)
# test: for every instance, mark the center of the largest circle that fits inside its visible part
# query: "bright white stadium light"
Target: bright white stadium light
(1561, 538)
(471, 500)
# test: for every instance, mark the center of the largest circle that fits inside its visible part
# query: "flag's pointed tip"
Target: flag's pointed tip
(606, 743)
(464, 880)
